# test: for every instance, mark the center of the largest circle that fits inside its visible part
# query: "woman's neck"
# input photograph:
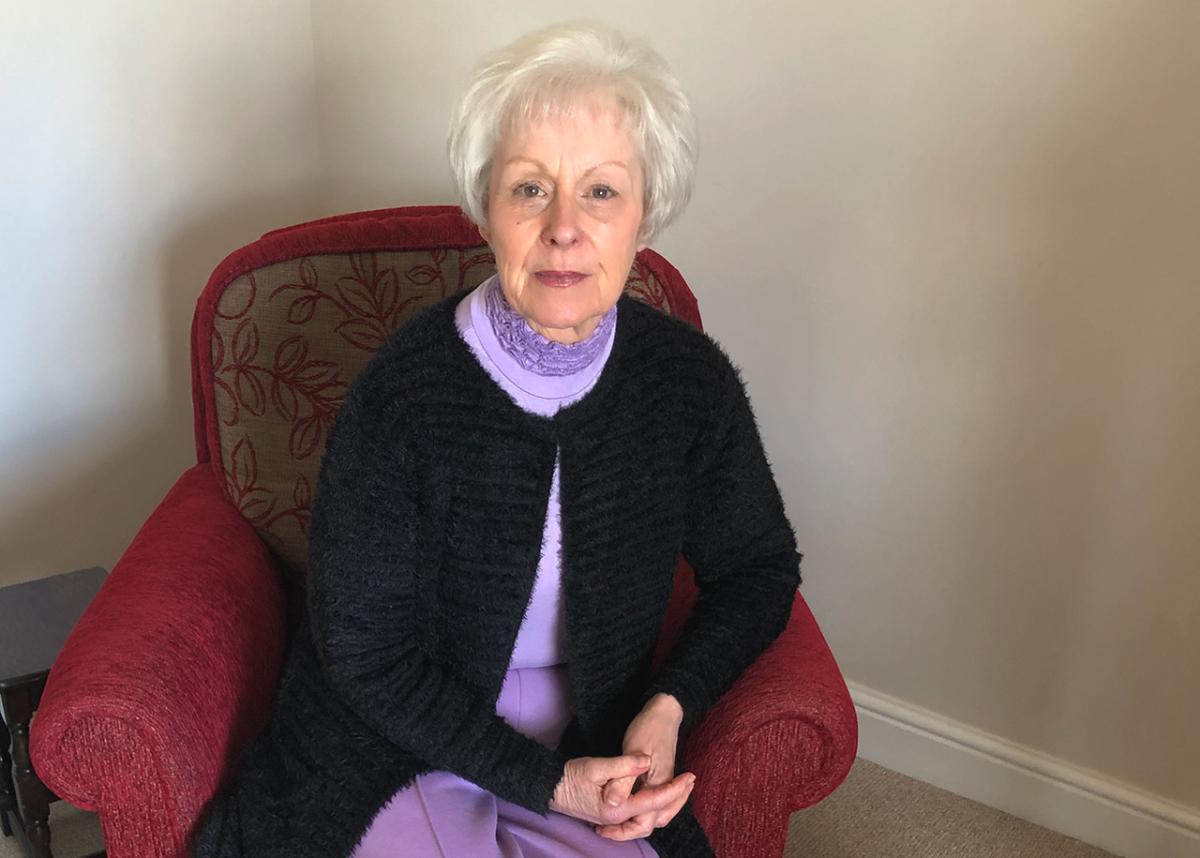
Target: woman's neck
(534, 351)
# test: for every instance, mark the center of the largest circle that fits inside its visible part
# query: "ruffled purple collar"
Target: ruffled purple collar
(535, 352)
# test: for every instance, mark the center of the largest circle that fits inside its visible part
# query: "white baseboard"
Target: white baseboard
(1024, 782)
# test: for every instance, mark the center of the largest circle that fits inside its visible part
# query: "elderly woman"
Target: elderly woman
(500, 507)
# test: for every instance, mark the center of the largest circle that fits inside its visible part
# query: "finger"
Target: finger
(666, 815)
(624, 766)
(654, 798)
(657, 775)
(630, 829)
(618, 789)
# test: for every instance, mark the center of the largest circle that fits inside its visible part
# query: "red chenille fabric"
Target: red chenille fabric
(172, 668)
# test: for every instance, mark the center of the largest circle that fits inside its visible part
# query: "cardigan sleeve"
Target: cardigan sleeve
(363, 579)
(742, 549)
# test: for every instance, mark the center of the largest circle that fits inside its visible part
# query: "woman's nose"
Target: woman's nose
(562, 226)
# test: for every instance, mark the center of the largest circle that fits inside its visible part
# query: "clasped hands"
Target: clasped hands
(627, 797)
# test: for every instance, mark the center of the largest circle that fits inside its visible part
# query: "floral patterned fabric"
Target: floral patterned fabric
(287, 340)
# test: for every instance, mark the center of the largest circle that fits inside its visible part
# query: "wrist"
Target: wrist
(667, 705)
(555, 803)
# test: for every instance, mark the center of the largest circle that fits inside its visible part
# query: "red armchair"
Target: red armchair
(172, 669)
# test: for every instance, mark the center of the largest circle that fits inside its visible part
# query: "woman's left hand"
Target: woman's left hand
(655, 731)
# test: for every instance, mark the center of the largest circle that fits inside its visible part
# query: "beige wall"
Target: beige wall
(140, 142)
(951, 246)
(954, 249)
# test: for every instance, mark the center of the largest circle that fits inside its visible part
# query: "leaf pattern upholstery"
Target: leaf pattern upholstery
(287, 338)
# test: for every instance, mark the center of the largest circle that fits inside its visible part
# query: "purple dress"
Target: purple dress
(441, 815)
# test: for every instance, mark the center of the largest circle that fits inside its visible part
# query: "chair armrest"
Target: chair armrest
(781, 739)
(169, 673)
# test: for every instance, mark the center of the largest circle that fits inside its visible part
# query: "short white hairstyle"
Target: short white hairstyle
(553, 72)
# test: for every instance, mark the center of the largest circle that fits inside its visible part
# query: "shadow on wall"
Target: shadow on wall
(88, 513)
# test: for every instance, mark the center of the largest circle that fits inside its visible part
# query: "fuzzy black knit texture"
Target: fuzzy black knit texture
(423, 548)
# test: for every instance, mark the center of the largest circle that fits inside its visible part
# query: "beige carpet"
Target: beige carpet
(73, 832)
(876, 813)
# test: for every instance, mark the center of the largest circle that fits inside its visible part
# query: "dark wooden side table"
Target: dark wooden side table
(35, 619)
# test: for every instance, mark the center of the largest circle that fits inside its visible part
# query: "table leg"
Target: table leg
(33, 800)
(8, 796)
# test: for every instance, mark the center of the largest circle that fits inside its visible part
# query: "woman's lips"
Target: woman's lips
(559, 279)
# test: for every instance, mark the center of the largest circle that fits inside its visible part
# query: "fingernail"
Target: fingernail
(613, 802)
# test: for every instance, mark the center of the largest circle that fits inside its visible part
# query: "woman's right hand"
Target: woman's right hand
(580, 793)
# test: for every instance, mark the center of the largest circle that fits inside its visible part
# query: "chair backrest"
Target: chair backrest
(287, 322)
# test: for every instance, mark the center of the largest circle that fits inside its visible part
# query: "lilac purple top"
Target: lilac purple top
(441, 815)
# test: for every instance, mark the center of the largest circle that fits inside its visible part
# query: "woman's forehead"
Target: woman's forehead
(580, 145)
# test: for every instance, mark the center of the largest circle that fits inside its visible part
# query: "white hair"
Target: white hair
(554, 71)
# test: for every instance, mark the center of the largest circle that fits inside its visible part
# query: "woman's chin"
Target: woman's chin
(557, 315)
(563, 327)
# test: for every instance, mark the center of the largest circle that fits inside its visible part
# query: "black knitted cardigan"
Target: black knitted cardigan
(423, 547)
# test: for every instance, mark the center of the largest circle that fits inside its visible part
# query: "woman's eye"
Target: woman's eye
(528, 190)
(603, 192)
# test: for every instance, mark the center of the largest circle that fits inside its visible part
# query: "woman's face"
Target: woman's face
(565, 196)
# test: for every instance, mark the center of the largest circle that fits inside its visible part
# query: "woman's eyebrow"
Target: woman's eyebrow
(544, 169)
